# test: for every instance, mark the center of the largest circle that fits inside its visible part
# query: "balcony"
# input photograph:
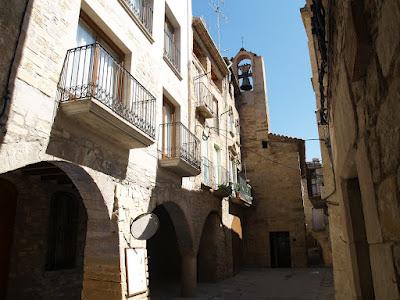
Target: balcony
(222, 187)
(207, 173)
(97, 91)
(172, 54)
(242, 192)
(179, 150)
(204, 100)
(141, 12)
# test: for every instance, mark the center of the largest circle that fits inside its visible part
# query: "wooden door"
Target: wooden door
(280, 249)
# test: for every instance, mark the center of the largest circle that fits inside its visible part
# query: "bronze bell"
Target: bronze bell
(245, 69)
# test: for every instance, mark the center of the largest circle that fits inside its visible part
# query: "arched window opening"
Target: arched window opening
(63, 231)
(245, 73)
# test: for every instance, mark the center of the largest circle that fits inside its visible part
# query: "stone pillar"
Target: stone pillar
(189, 275)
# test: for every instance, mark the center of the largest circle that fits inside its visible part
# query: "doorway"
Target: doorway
(164, 259)
(7, 218)
(360, 248)
(280, 249)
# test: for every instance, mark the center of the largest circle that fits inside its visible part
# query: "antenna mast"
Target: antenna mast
(216, 6)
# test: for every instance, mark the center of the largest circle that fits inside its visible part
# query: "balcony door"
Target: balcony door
(169, 130)
(218, 169)
(94, 69)
(206, 164)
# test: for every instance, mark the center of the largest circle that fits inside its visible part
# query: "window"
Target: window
(63, 231)
(237, 125)
(88, 33)
(231, 122)
(142, 10)
(95, 65)
(232, 170)
(169, 132)
(172, 41)
(264, 144)
(216, 79)
(218, 167)
(216, 116)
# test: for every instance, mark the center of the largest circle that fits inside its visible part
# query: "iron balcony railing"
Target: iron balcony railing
(244, 189)
(90, 71)
(179, 142)
(208, 172)
(143, 11)
(171, 50)
(203, 96)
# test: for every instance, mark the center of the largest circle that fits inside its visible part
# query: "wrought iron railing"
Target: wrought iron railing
(177, 141)
(143, 11)
(90, 71)
(171, 50)
(207, 172)
(203, 95)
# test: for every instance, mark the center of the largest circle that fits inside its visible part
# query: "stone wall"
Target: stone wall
(274, 165)
(116, 184)
(275, 177)
(363, 104)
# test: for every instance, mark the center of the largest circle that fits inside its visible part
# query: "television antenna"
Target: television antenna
(216, 5)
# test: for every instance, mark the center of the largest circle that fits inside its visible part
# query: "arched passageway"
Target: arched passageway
(171, 260)
(43, 232)
(164, 258)
(211, 250)
(237, 244)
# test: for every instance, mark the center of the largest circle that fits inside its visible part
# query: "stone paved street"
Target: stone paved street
(313, 283)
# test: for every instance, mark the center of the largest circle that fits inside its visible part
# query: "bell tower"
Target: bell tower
(248, 68)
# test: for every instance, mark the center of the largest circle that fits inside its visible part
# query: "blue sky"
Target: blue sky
(274, 30)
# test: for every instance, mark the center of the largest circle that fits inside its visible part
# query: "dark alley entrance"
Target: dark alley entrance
(280, 249)
(42, 234)
(164, 259)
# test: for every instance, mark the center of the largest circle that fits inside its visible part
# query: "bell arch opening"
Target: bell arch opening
(245, 74)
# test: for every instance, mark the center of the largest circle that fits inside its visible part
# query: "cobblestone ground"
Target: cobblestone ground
(310, 284)
(272, 284)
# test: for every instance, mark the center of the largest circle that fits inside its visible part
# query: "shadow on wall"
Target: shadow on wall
(190, 226)
(37, 254)
(13, 15)
(210, 256)
(82, 145)
(34, 255)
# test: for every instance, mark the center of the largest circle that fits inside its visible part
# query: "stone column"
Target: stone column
(189, 275)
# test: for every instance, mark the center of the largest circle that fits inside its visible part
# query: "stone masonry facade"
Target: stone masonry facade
(355, 77)
(275, 166)
(114, 184)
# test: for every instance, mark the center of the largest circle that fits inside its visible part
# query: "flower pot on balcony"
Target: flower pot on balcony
(223, 191)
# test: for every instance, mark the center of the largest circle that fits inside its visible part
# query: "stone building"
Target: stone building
(104, 120)
(316, 215)
(355, 78)
(274, 228)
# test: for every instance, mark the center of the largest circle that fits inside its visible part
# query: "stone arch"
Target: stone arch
(100, 257)
(182, 227)
(210, 266)
(167, 251)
